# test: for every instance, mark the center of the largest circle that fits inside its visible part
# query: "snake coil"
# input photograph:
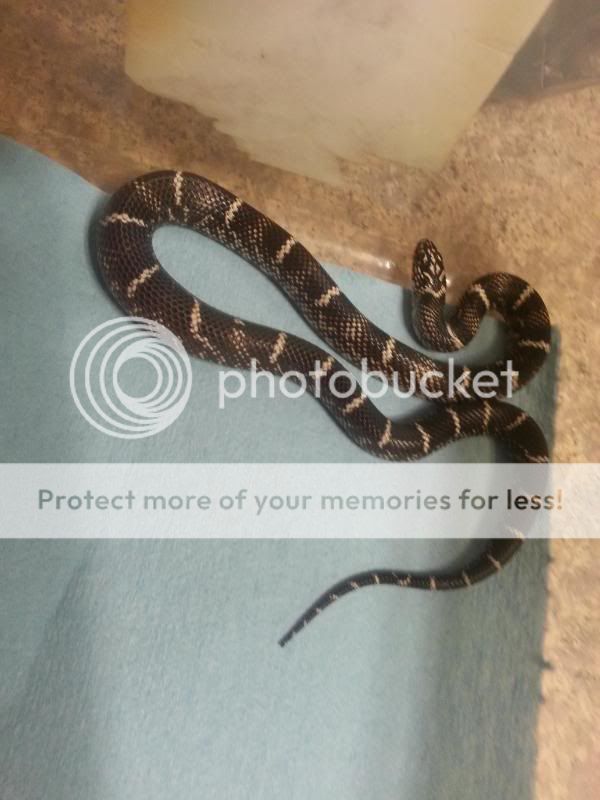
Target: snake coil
(142, 287)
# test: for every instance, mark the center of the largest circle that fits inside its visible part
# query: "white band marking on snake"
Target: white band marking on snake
(478, 289)
(284, 250)
(540, 344)
(125, 219)
(425, 436)
(387, 434)
(525, 295)
(455, 420)
(142, 278)
(279, 347)
(177, 183)
(232, 211)
(355, 403)
(327, 296)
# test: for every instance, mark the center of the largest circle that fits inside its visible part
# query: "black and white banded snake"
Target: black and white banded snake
(143, 288)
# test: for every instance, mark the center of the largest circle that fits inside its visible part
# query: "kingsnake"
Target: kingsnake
(143, 288)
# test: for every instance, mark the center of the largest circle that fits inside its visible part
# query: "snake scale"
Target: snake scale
(142, 287)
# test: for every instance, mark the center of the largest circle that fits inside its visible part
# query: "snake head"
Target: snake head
(429, 274)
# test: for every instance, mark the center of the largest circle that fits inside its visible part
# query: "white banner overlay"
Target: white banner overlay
(378, 500)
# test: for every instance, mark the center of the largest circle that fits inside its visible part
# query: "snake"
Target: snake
(142, 287)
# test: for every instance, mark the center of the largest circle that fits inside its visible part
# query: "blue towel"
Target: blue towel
(150, 669)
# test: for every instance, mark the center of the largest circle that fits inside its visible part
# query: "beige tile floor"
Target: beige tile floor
(521, 193)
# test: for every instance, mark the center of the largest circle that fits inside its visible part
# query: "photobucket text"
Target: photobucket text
(455, 383)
